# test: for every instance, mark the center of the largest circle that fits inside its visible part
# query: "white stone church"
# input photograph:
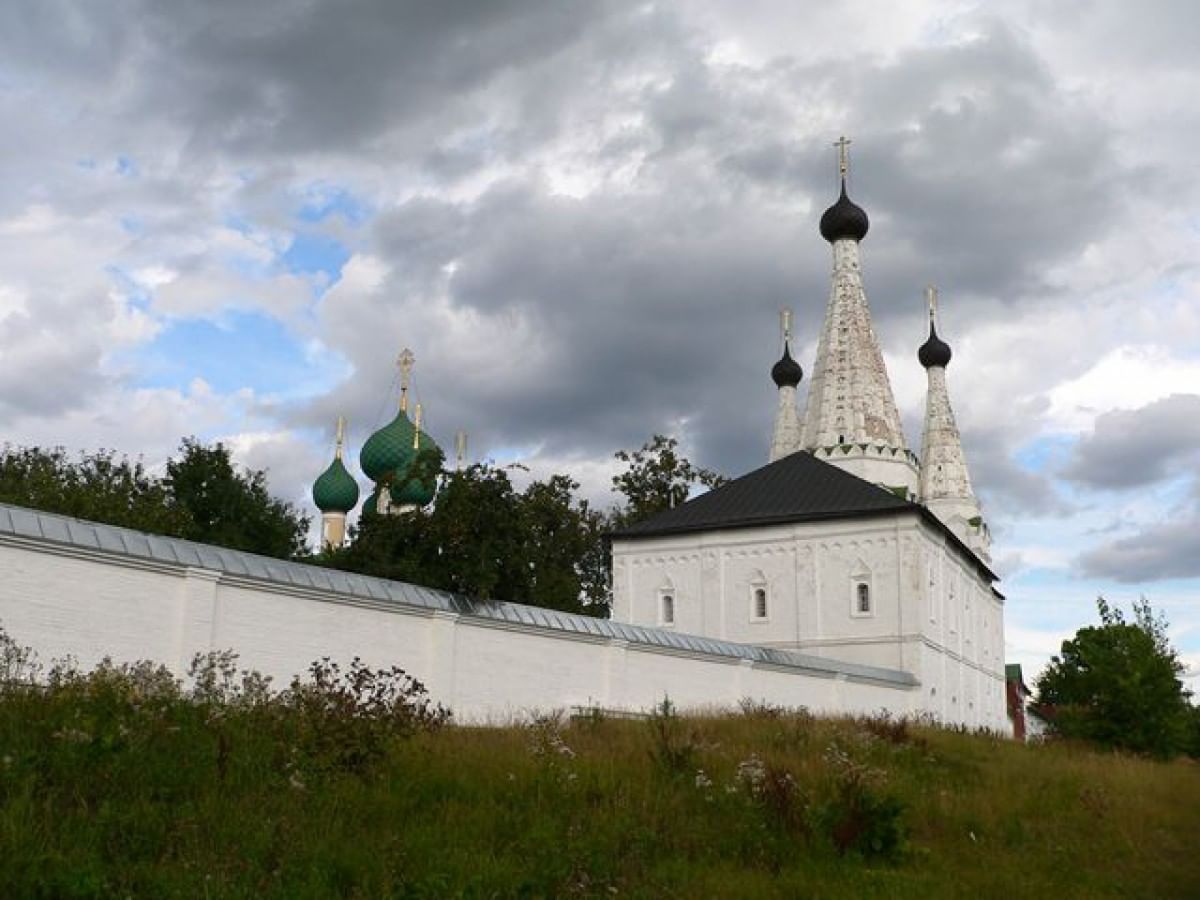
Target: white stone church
(848, 575)
(847, 545)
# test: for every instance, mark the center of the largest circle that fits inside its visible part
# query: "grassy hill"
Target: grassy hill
(117, 783)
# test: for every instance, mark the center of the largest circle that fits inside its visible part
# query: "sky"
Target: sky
(225, 220)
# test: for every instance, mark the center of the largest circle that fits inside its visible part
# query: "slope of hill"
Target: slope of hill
(120, 784)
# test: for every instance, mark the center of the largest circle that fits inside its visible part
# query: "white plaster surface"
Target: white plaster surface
(850, 399)
(933, 612)
(64, 600)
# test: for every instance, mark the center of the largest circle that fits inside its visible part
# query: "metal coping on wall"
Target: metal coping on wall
(95, 537)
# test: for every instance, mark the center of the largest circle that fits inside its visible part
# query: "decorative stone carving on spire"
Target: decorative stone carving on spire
(786, 374)
(945, 482)
(851, 419)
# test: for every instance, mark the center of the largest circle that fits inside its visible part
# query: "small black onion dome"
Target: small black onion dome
(935, 351)
(786, 372)
(845, 219)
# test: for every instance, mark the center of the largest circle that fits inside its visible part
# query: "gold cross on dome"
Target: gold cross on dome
(405, 361)
(931, 299)
(843, 143)
(785, 322)
(341, 435)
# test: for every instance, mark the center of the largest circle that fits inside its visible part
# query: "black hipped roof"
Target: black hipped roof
(797, 488)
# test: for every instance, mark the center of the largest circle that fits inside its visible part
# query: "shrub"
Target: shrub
(673, 747)
(345, 720)
(860, 817)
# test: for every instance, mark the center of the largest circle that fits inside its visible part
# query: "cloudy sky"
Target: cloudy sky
(226, 219)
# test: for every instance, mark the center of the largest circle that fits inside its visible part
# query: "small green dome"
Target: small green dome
(389, 450)
(335, 490)
(420, 488)
(370, 508)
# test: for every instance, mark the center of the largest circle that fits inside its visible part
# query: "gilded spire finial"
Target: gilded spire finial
(341, 436)
(931, 295)
(405, 362)
(417, 430)
(843, 144)
(785, 323)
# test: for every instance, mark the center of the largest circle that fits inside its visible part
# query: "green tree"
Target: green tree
(231, 507)
(1117, 685)
(657, 478)
(99, 487)
(485, 539)
(203, 496)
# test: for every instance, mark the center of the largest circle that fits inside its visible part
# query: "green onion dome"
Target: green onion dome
(389, 450)
(419, 488)
(370, 508)
(335, 490)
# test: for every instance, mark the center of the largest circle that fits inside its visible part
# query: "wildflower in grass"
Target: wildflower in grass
(751, 772)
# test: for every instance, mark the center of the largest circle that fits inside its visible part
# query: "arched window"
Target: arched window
(862, 595)
(760, 603)
(668, 609)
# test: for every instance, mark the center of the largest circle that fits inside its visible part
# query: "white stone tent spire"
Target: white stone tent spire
(945, 482)
(851, 419)
(785, 439)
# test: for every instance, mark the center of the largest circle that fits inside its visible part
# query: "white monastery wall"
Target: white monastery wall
(65, 600)
(931, 611)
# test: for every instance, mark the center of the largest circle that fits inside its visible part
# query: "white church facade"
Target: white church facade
(847, 545)
(847, 575)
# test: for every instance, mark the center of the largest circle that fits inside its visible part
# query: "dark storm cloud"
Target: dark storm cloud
(1132, 448)
(1008, 491)
(657, 301)
(651, 300)
(1156, 553)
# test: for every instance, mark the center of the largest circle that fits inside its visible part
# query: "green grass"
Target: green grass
(114, 788)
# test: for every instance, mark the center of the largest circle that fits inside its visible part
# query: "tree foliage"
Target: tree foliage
(485, 539)
(231, 507)
(1117, 685)
(203, 496)
(657, 478)
(543, 545)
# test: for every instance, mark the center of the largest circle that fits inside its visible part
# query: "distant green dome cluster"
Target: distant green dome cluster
(335, 490)
(402, 460)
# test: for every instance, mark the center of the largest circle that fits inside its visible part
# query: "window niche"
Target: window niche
(760, 608)
(666, 604)
(862, 600)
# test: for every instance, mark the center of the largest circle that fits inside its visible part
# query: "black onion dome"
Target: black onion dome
(935, 351)
(845, 219)
(786, 372)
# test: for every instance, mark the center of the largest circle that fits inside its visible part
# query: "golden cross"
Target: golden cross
(842, 144)
(931, 299)
(405, 362)
(785, 322)
(341, 435)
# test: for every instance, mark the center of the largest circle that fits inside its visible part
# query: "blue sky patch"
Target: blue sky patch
(324, 201)
(269, 360)
(312, 252)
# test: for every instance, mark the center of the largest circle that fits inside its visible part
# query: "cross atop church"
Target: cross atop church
(931, 299)
(405, 361)
(341, 435)
(842, 144)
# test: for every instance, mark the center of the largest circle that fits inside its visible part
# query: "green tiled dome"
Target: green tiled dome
(389, 450)
(420, 489)
(335, 490)
(371, 507)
